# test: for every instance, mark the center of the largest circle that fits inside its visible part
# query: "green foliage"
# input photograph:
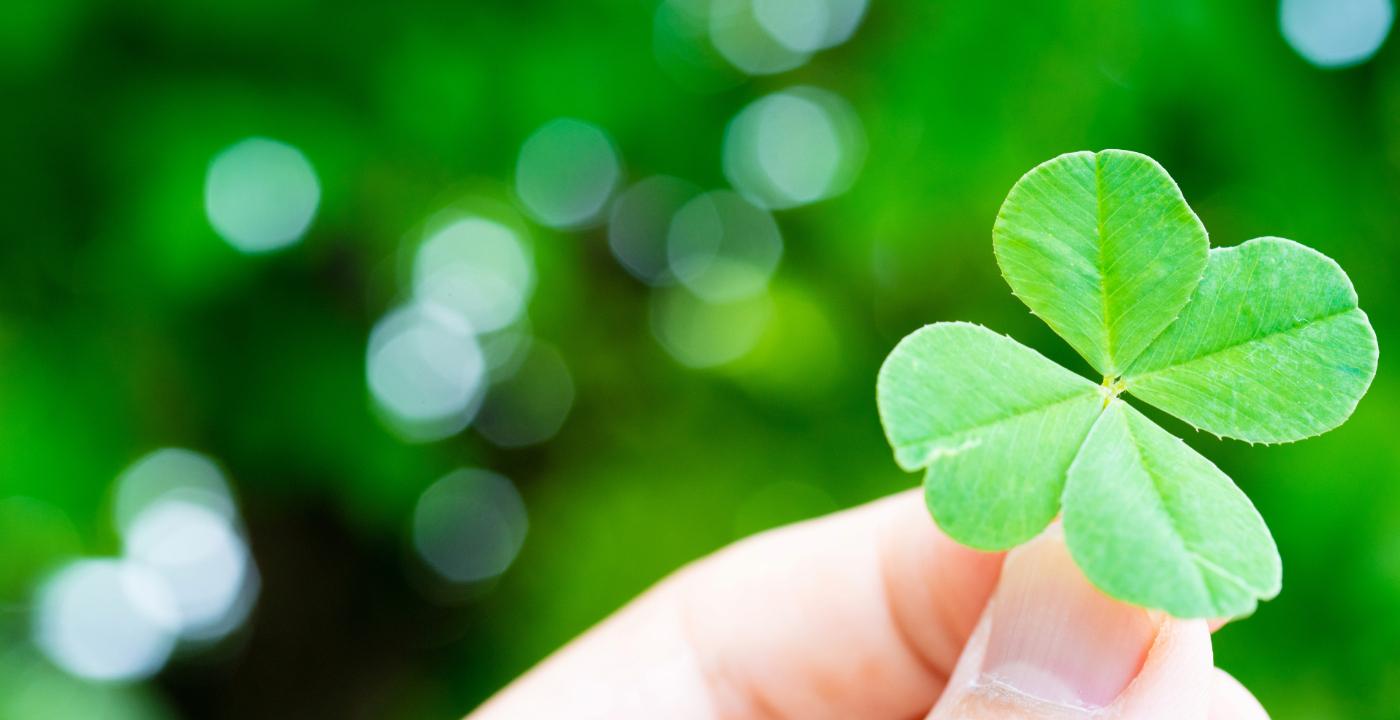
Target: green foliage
(30, 687)
(1269, 346)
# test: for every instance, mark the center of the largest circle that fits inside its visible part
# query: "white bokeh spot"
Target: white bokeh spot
(476, 268)
(106, 620)
(722, 247)
(1336, 33)
(202, 559)
(793, 148)
(566, 172)
(261, 195)
(425, 371)
(470, 525)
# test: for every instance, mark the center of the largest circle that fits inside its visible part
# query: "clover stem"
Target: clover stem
(1111, 388)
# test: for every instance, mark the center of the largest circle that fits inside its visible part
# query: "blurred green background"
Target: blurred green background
(127, 324)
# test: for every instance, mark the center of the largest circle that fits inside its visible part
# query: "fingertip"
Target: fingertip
(1229, 700)
(1050, 645)
(1178, 667)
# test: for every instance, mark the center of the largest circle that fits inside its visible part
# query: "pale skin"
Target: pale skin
(873, 613)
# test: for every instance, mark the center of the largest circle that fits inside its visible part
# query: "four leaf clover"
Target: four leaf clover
(1262, 342)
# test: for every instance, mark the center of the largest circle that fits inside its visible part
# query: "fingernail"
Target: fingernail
(1056, 638)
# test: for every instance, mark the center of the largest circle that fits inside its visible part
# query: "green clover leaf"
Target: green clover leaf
(998, 421)
(1104, 248)
(1272, 347)
(1262, 342)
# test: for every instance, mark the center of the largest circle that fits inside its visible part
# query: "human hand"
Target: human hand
(873, 613)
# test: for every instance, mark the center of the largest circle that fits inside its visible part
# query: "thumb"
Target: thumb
(1049, 646)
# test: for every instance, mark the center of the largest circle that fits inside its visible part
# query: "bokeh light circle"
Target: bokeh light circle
(201, 558)
(800, 25)
(843, 17)
(1336, 33)
(170, 474)
(566, 172)
(505, 349)
(738, 35)
(108, 620)
(261, 195)
(476, 268)
(794, 147)
(531, 405)
(701, 334)
(425, 371)
(809, 25)
(470, 525)
(722, 247)
(640, 219)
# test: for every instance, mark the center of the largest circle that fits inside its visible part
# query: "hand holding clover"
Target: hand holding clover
(873, 613)
(1262, 342)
